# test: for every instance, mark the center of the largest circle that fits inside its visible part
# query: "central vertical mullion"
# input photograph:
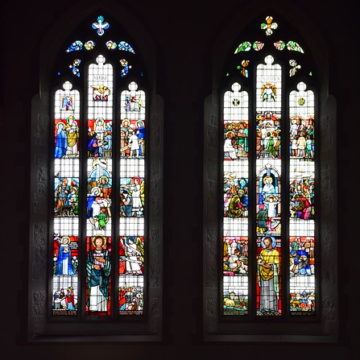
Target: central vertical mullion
(252, 194)
(83, 190)
(285, 194)
(114, 196)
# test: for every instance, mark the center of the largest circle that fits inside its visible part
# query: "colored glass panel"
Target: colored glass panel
(98, 275)
(99, 198)
(125, 67)
(268, 187)
(65, 275)
(75, 67)
(124, 46)
(66, 185)
(131, 279)
(294, 67)
(244, 46)
(89, 45)
(268, 195)
(75, 46)
(302, 275)
(236, 196)
(258, 45)
(302, 201)
(97, 164)
(100, 137)
(100, 90)
(268, 110)
(100, 114)
(235, 270)
(243, 68)
(236, 201)
(268, 282)
(269, 26)
(132, 201)
(100, 25)
(268, 168)
(131, 295)
(294, 46)
(279, 45)
(111, 45)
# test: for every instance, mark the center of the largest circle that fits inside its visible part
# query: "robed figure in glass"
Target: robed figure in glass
(268, 273)
(98, 268)
(64, 260)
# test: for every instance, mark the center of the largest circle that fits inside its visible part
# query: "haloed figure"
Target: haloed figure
(63, 263)
(72, 130)
(268, 273)
(98, 268)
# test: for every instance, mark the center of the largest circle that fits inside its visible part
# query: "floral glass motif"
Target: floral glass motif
(269, 25)
(125, 67)
(124, 46)
(258, 45)
(244, 46)
(243, 68)
(294, 67)
(89, 45)
(75, 46)
(280, 45)
(294, 46)
(111, 45)
(101, 25)
(75, 67)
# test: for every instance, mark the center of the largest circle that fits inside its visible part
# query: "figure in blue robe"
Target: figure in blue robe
(302, 260)
(64, 261)
(91, 198)
(98, 269)
(126, 203)
(93, 146)
(60, 142)
(140, 133)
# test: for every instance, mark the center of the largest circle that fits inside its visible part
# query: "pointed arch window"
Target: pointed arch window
(269, 235)
(269, 178)
(99, 179)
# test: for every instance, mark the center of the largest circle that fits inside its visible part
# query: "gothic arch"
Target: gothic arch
(216, 328)
(40, 326)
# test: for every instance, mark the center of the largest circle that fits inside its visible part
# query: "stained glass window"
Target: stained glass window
(99, 179)
(269, 227)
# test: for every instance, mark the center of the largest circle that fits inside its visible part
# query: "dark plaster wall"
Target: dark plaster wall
(184, 33)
